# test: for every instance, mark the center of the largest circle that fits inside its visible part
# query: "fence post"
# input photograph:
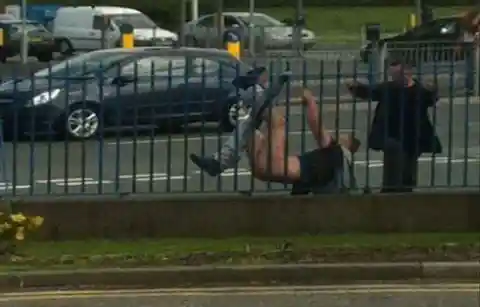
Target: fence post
(476, 68)
(4, 183)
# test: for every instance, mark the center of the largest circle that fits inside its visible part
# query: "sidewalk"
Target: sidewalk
(238, 275)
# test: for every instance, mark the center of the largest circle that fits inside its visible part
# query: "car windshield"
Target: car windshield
(83, 65)
(138, 21)
(261, 20)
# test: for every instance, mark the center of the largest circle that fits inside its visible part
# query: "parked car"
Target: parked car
(269, 32)
(82, 26)
(7, 17)
(136, 88)
(41, 43)
(437, 40)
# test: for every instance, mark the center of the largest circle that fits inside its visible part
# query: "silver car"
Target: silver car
(269, 32)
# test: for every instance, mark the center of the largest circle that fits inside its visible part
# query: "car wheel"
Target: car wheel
(234, 112)
(45, 56)
(82, 122)
(65, 47)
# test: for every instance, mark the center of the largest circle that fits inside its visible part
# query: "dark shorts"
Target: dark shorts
(319, 167)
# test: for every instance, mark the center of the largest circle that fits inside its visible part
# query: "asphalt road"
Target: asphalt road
(158, 164)
(417, 295)
(324, 71)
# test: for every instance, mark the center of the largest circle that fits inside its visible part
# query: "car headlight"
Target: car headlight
(45, 97)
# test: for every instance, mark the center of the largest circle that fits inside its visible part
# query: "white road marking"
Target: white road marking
(78, 181)
(8, 186)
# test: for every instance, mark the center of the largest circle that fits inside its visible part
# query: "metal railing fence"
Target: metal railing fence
(166, 123)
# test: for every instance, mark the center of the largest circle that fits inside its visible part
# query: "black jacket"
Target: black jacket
(401, 114)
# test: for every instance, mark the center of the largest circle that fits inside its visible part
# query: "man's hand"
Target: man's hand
(351, 85)
(307, 96)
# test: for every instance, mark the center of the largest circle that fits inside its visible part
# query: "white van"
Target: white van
(82, 26)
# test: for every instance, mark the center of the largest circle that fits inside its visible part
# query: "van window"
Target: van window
(138, 21)
(100, 22)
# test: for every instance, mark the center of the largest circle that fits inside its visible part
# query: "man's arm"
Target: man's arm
(314, 120)
(363, 91)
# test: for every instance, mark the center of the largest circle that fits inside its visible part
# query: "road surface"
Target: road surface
(157, 163)
(417, 295)
(325, 71)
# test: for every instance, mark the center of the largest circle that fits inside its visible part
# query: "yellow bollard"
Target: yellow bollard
(232, 43)
(234, 49)
(413, 21)
(2, 33)
(128, 40)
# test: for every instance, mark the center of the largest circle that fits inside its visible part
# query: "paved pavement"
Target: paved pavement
(397, 295)
(156, 163)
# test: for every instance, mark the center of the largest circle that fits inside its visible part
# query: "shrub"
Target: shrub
(14, 228)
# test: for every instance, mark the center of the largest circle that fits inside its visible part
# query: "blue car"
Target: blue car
(124, 89)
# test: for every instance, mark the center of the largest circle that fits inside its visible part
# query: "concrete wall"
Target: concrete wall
(258, 216)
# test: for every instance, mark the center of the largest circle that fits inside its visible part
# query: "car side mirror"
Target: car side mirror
(123, 80)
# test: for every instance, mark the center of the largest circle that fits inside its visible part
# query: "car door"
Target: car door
(161, 92)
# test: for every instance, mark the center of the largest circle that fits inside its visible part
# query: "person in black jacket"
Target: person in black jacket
(401, 126)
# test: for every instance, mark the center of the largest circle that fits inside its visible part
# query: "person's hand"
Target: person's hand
(351, 85)
(307, 96)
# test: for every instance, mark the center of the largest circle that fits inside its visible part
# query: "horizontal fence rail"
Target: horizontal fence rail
(145, 118)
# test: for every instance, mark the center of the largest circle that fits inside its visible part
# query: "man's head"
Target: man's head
(400, 72)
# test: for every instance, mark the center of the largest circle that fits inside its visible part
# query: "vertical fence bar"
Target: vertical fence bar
(354, 124)
(49, 146)
(84, 158)
(269, 128)
(287, 127)
(451, 88)
(253, 162)
(135, 133)
(219, 137)
(434, 123)
(303, 118)
(117, 137)
(15, 134)
(152, 113)
(66, 143)
(186, 110)
(32, 142)
(371, 83)
(170, 126)
(466, 139)
(101, 132)
(338, 80)
(203, 122)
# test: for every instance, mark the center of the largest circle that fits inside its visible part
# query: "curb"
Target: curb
(239, 275)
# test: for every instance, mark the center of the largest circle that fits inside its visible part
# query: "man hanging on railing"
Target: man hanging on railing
(401, 127)
(317, 171)
(314, 171)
